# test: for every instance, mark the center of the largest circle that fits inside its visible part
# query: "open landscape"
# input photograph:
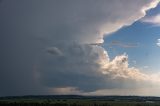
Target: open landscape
(75, 100)
(80, 53)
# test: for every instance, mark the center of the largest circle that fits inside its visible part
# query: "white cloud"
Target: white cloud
(118, 68)
(158, 42)
(152, 20)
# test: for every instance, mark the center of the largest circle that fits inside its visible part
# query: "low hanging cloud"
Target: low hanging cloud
(71, 33)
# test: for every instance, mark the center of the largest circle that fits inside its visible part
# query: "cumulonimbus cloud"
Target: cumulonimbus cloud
(84, 60)
(71, 33)
(92, 69)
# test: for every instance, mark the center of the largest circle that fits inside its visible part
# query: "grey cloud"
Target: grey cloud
(30, 27)
(88, 68)
(82, 21)
(54, 51)
(77, 68)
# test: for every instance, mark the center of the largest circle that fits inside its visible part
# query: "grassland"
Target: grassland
(79, 101)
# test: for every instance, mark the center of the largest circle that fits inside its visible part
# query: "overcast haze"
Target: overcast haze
(86, 47)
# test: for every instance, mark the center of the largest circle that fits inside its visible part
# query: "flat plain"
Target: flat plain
(75, 100)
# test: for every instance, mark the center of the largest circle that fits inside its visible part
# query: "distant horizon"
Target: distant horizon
(79, 95)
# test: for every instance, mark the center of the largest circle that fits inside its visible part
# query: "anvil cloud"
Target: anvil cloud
(51, 42)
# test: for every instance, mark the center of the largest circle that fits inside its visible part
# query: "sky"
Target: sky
(139, 41)
(84, 47)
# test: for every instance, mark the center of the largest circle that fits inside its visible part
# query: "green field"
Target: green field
(51, 101)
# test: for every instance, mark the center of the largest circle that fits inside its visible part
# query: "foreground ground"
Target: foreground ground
(73, 100)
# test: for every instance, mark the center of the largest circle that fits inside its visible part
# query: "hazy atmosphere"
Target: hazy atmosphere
(84, 47)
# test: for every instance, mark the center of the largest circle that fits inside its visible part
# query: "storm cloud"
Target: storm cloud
(47, 44)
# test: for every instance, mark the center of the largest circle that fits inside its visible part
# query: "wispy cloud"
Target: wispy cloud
(152, 20)
(158, 42)
(122, 44)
